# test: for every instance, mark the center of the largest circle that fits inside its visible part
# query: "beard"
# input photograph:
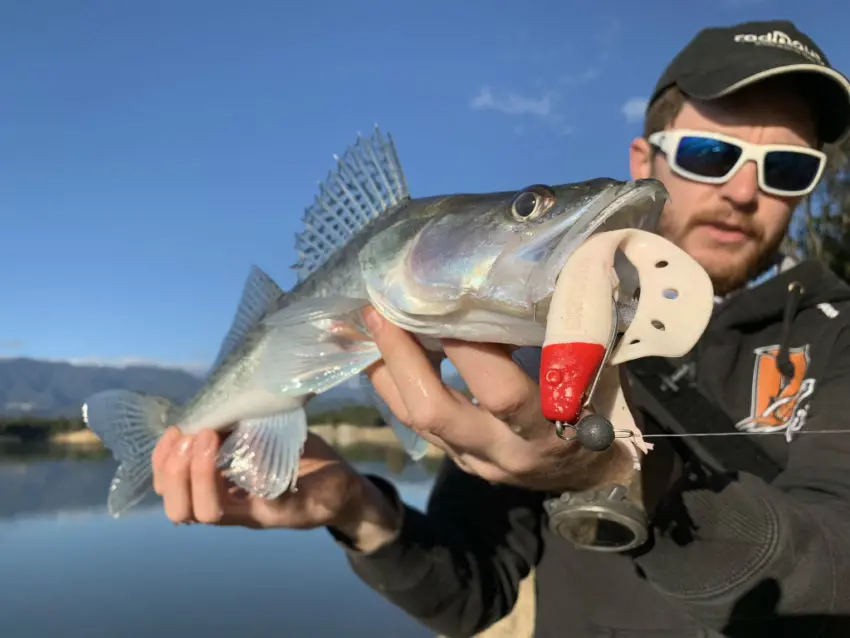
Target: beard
(730, 267)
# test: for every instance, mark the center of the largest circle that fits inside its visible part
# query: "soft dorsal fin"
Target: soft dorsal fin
(260, 295)
(368, 180)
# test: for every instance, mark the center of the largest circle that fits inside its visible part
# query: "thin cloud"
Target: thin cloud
(530, 55)
(634, 109)
(513, 104)
(611, 33)
(11, 344)
(607, 39)
(545, 106)
(605, 42)
(587, 75)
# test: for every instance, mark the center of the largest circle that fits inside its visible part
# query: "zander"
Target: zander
(476, 267)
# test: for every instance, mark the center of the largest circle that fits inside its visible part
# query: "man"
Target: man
(757, 555)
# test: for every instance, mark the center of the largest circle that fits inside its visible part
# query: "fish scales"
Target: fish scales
(474, 266)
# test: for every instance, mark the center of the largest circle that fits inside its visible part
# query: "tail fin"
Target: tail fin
(129, 424)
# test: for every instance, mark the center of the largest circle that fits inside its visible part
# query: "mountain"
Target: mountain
(56, 389)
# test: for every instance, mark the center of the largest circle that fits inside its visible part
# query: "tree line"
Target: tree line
(821, 225)
(34, 428)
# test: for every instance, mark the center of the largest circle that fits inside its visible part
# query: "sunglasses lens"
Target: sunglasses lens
(706, 157)
(790, 171)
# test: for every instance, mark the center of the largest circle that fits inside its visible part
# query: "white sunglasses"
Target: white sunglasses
(712, 158)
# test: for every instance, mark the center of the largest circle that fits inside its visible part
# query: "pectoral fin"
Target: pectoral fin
(261, 455)
(314, 345)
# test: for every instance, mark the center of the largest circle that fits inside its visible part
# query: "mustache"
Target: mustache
(736, 222)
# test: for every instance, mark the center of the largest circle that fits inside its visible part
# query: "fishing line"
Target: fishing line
(783, 432)
(623, 433)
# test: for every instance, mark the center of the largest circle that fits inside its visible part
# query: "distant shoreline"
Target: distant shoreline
(77, 437)
(340, 435)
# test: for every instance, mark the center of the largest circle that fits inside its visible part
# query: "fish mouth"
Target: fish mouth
(632, 204)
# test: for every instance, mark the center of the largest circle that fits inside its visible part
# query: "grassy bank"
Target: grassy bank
(337, 435)
(29, 429)
(353, 430)
(73, 431)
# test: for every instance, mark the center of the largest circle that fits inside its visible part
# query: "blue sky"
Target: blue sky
(152, 150)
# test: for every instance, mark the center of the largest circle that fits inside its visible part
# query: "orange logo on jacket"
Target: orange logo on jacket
(778, 403)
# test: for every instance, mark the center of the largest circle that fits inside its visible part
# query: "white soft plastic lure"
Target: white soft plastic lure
(477, 267)
(676, 300)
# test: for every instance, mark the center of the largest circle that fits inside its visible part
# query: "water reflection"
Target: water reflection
(67, 569)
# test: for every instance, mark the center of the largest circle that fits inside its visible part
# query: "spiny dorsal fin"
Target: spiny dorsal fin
(368, 180)
(259, 295)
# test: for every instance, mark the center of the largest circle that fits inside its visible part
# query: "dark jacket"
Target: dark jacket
(759, 558)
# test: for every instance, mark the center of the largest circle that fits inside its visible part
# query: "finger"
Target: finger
(419, 386)
(482, 469)
(176, 492)
(160, 453)
(382, 380)
(205, 482)
(501, 386)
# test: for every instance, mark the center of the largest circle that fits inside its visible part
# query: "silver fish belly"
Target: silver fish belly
(478, 267)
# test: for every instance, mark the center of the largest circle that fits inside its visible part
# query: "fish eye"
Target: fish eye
(532, 202)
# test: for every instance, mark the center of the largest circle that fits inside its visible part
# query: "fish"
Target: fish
(477, 267)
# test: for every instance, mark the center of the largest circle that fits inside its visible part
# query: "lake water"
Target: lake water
(67, 570)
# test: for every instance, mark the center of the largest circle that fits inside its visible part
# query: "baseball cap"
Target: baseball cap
(721, 60)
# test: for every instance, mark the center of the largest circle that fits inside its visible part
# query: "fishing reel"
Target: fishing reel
(610, 517)
(580, 388)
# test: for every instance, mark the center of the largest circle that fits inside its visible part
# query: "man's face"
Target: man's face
(729, 229)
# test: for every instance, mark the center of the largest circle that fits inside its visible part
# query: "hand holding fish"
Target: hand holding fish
(479, 268)
(508, 437)
(505, 438)
(330, 492)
